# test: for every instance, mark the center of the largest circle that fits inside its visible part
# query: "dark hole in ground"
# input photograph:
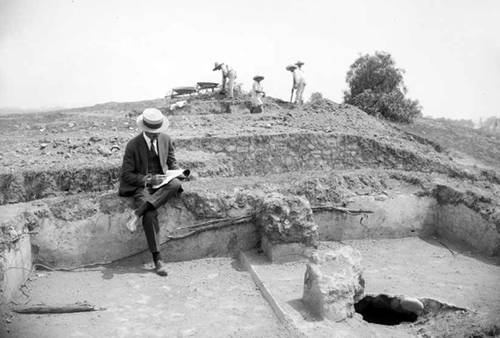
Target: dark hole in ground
(384, 310)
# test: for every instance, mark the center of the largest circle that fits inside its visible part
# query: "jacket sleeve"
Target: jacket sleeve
(171, 161)
(130, 169)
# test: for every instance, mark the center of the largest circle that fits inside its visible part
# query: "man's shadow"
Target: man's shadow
(138, 263)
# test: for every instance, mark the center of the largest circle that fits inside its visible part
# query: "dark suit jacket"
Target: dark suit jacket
(135, 162)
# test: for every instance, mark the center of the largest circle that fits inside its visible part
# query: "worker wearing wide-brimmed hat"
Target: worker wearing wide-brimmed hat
(299, 64)
(149, 154)
(299, 83)
(228, 78)
(257, 94)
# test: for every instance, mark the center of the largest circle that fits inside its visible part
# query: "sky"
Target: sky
(63, 53)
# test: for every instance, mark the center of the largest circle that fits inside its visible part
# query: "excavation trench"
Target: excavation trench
(82, 230)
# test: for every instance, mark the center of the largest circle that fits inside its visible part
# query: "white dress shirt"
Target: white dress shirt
(148, 142)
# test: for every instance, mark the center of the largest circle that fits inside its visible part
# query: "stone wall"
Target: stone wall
(234, 156)
(264, 154)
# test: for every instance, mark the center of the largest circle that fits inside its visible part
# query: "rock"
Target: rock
(408, 304)
(333, 283)
(95, 139)
(287, 219)
(287, 227)
(104, 152)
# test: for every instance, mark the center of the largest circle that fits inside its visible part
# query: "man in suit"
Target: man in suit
(149, 154)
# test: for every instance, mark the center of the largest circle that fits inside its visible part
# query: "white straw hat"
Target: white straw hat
(153, 121)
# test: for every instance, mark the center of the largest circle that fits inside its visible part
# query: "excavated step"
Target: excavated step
(233, 156)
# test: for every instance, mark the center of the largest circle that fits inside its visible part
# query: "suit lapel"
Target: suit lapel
(162, 152)
(143, 153)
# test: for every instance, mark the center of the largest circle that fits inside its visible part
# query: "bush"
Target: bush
(376, 86)
(316, 97)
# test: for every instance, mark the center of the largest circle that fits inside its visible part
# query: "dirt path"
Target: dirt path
(201, 298)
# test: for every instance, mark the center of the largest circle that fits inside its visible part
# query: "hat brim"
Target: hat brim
(291, 68)
(162, 129)
(216, 68)
(257, 78)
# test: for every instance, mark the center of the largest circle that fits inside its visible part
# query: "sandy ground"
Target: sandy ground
(200, 298)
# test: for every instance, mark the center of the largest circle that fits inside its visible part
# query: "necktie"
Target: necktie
(154, 146)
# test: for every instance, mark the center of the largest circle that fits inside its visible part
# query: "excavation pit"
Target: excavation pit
(383, 309)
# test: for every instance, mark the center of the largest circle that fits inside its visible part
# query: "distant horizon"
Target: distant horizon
(73, 53)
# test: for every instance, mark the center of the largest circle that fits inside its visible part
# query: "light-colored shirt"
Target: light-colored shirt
(257, 88)
(298, 77)
(256, 93)
(228, 72)
(148, 142)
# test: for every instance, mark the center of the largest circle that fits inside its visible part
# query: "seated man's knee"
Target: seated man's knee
(150, 213)
(175, 184)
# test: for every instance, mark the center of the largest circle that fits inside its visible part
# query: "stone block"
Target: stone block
(333, 283)
(285, 252)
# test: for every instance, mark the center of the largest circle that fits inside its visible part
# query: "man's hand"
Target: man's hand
(152, 180)
(147, 180)
(157, 179)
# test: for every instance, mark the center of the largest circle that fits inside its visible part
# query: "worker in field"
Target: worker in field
(299, 83)
(257, 94)
(228, 78)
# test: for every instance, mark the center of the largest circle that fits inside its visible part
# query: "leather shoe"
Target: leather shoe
(161, 269)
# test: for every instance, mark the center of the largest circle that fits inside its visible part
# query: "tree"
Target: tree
(376, 86)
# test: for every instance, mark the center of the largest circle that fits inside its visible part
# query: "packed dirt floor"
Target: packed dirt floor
(210, 297)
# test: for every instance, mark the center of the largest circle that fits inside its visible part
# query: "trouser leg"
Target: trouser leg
(151, 230)
(230, 87)
(299, 93)
(147, 202)
(162, 195)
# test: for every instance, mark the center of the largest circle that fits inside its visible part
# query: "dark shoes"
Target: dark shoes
(161, 269)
